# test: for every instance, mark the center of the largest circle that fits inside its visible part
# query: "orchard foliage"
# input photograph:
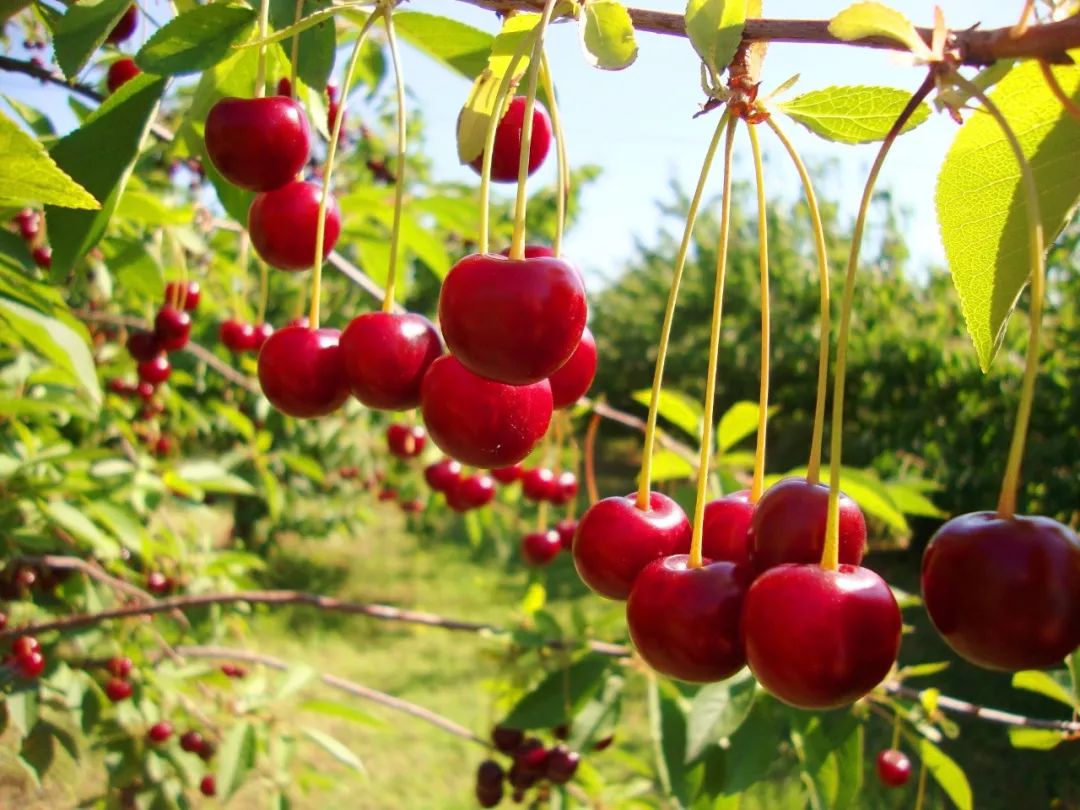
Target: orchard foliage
(169, 418)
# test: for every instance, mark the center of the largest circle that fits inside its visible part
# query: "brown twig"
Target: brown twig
(963, 707)
(630, 420)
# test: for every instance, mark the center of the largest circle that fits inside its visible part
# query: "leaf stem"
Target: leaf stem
(763, 265)
(399, 178)
(563, 167)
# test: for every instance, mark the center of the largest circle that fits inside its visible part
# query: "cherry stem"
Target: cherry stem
(1036, 246)
(645, 482)
(1071, 107)
(830, 556)
(245, 246)
(331, 151)
(264, 290)
(696, 538)
(399, 179)
(763, 264)
(264, 32)
(920, 796)
(517, 242)
(589, 459)
(294, 54)
(813, 468)
(896, 731)
(563, 168)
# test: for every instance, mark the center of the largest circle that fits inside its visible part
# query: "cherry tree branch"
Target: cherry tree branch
(963, 707)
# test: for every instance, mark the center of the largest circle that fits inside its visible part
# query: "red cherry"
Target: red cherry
(479, 421)
(259, 335)
(300, 320)
(191, 741)
(160, 732)
(412, 507)
(507, 739)
(489, 797)
(145, 391)
(172, 327)
(155, 371)
(30, 665)
(508, 475)
(530, 763)
(120, 73)
(331, 91)
(208, 787)
(118, 690)
(540, 548)
(442, 476)
(571, 382)
(143, 346)
(476, 490)
(258, 144)
(206, 751)
(301, 373)
(157, 582)
(188, 301)
(788, 525)
(333, 110)
(685, 621)
(386, 355)
(725, 525)
(3, 621)
(233, 671)
(121, 387)
(566, 529)
(124, 27)
(238, 337)
(284, 86)
(562, 764)
(564, 489)
(283, 222)
(163, 446)
(42, 256)
(1004, 592)
(893, 768)
(538, 484)
(516, 322)
(119, 667)
(24, 645)
(405, 441)
(819, 639)
(615, 540)
(29, 224)
(507, 149)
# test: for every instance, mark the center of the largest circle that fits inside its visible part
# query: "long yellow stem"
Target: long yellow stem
(399, 182)
(763, 266)
(260, 66)
(294, 56)
(562, 188)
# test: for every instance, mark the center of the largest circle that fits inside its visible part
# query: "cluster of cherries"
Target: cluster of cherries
(532, 765)
(124, 69)
(118, 687)
(28, 224)
(26, 658)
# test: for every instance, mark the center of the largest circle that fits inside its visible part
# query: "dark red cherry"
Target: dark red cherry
(508, 475)
(155, 371)
(489, 774)
(442, 476)
(284, 86)
(540, 548)
(237, 336)
(42, 256)
(118, 690)
(1004, 592)
(157, 583)
(187, 299)
(282, 224)
(725, 526)
(191, 741)
(566, 529)
(571, 382)
(386, 355)
(562, 764)
(615, 540)
(120, 73)
(516, 322)
(208, 786)
(119, 667)
(479, 421)
(301, 373)
(788, 525)
(507, 739)
(819, 639)
(685, 621)
(143, 346)
(124, 27)
(260, 334)
(564, 488)
(172, 327)
(30, 665)
(477, 490)
(160, 732)
(538, 483)
(506, 153)
(406, 441)
(893, 768)
(24, 645)
(489, 797)
(259, 144)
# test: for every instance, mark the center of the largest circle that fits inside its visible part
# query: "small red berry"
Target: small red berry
(24, 645)
(191, 741)
(30, 665)
(119, 667)
(208, 787)
(120, 73)
(507, 739)
(160, 732)
(155, 371)
(893, 768)
(118, 690)
(42, 256)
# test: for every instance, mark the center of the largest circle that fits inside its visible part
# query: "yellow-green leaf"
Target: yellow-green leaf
(29, 175)
(947, 773)
(980, 205)
(863, 20)
(455, 44)
(195, 40)
(1039, 739)
(82, 30)
(1045, 684)
(607, 35)
(855, 114)
(676, 407)
(715, 30)
(668, 465)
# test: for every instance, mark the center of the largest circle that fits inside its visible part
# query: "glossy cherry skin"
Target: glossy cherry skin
(572, 381)
(788, 525)
(118, 690)
(1004, 593)
(155, 371)
(260, 334)
(282, 224)
(540, 548)
(566, 530)
(516, 322)
(208, 786)
(301, 373)
(237, 336)
(386, 355)
(685, 622)
(506, 153)
(172, 328)
(482, 422)
(820, 639)
(442, 476)
(191, 741)
(508, 475)
(190, 298)
(477, 490)
(160, 732)
(258, 144)
(406, 441)
(538, 483)
(893, 768)
(143, 346)
(30, 665)
(724, 530)
(29, 224)
(124, 27)
(564, 489)
(615, 540)
(42, 256)
(120, 73)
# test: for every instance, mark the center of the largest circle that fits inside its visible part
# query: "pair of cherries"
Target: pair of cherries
(541, 547)
(463, 492)
(241, 337)
(119, 686)
(28, 224)
(123, 70)
(26, 657)
(541, 484)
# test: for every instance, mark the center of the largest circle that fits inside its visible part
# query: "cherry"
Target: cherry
(233, 671)
(538, 484)
(157, 582)
(615, 540)
(1004, 592)
(386, 356)
(412, 507)
(333, 110)
(820, 639)
(489, 783)
(118, 690)
(530, 764)
(284, 86)
(571, 382)
(516, 322)
(172, 327)
(120, 73)
(163, 446)
(788, 525)
(30, 665)
(189, 301)
(475, 491)
(531, 251)
(561, 731)
(566, 529)
(387, 494)
(42, 256)
(24, 645)
(121, 387)
(206, 751)
(506, 152)
(3, 621)
(191, 741)
(29, 224)
(160, 732)
(725, 526)
(145, 391)
(405, 441)
(208, 787)
(155, 371)
(124, 27)
(143, 346)
(604, 743)
(442, 476)
(119, 667)
(283, 222)
(540, 548)
(685, 621)
(564, 488)
(258, 144)
(508, 475)
(237, 336)
(507, 739)
(893, 768)
(260, 334)
(479, 421)
(301, 373)
(562, 764)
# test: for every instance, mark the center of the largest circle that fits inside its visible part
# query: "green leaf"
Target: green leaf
(29, 175)
(980, 204)
(667, 724)
(22, 710)
(122, 122)
(667, 465)
(853, 114)
(607, 35)
(715, 30)
(458, 46)
(335, 748)
(911, 501)
(1045, 684)
(82, 30)
(738, 422)
(9, 8)
(195, 40)
(332, 708)
(315, 57)
(235, 759)
(305, 466)
(297, 677)
(947, 773)
(547, 705)
(1039, 739)
(74, 522)
(863, 20)
(212, 477)
(718, 710)
(832, 755)
(38, 122)
(676, 408)
(922, 670)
